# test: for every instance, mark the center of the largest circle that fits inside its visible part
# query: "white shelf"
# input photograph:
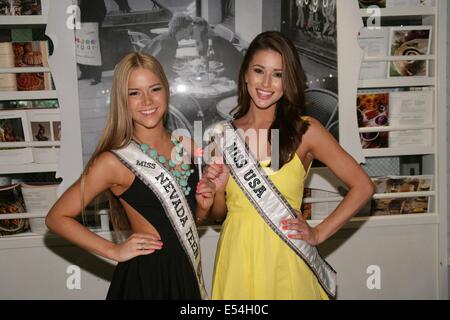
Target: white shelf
(397, 128)
(388, 152)
(33, 214)
(30, 239)
(399, 58)
(387, 221)
(377, 196)
(23, 215)
(397, 82)
(23, 20)
(403, 11)
(34, 144)
(24, 70)
(404, 195)
(355, 223)
(28, 95)
(28, 168)
(372, 221)
(322, 200)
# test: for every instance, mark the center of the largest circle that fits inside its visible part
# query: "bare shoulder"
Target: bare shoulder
(321, 144)
(108, 161)
(315, 130)
(107, 166)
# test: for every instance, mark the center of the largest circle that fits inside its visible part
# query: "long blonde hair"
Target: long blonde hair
(119, 128)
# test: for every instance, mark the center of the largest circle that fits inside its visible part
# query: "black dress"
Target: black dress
(165, 274)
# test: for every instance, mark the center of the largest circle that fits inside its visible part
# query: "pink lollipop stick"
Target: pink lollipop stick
(199, 155)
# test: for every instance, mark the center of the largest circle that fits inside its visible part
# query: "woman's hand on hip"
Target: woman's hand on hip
(303, 230)
(138, 244)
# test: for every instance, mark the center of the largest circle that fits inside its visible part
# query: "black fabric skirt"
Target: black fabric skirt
(163, 275)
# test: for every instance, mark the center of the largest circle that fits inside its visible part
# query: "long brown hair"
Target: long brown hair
(119, 128)
(290, 107)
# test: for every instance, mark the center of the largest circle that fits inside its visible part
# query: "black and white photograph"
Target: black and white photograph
(311, 25)
(200, 59)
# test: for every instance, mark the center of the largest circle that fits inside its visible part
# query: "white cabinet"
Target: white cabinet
(32, 148)
(410, 250)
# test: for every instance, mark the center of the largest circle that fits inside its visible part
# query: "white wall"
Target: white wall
(43, 268)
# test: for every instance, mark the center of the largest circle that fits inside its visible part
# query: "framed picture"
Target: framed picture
(30, 54)
(35, 81)
(395, 206)
(11, 201)
(20, 7)
(409, 41)
(44, 124)
(372, 111)
(13, 126)
(56, 130)
(40, 131)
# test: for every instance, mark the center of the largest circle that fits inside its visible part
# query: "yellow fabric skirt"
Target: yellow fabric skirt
(252, 262)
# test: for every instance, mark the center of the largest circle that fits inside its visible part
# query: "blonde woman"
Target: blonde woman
(152, 187)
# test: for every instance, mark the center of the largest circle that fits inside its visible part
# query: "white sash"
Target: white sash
(169, 193)
(270, 203)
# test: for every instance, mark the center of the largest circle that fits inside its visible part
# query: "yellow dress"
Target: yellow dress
(252, 262)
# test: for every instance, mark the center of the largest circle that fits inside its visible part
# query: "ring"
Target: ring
(141, 246)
